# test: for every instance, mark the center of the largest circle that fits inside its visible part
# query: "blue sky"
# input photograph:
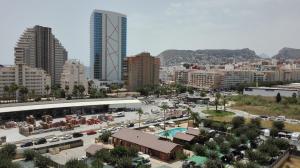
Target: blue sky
(156, 25)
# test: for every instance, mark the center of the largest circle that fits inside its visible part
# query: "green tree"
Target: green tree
(217, 100)
(282, 144)
(164, 107)
(224, 148)
(181, 156)
(74, 163)
(278, 98)
(199, 150)
(124, 162)
(13, 88)
(274, 132)
(256, 122)
(23, 91)
(47, 88)
(212, 145)
(6, 92)
(269, 148)
(75, 91)
(81, 90)
(278, 124)
(67, 88)
(238, 121)
(140, 113)
(97, 163)
(29, 154)
(41, 161)
(166, 134)
(224, 101)
(119, 151)
(213, 164)
(104, 137)
(104, 155)
(9, 150)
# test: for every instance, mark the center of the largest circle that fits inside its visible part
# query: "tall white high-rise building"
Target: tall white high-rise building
(108, 33)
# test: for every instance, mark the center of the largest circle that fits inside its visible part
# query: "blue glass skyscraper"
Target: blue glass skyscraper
(108, 38)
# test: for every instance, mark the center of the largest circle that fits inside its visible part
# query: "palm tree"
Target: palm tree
(195, 117)
(81, 90)
(14, 88)
(164, 107)
(224, 102)
(47, 87)
(67, 88)
(24, 91)
(189, 111)
(140, 113)
(6, 90)
(217, 98)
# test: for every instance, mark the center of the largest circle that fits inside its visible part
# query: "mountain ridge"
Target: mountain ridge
(207, 56)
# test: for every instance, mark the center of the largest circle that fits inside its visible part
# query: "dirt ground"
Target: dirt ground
(292, 162)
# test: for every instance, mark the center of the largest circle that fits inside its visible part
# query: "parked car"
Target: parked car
(40, 141)
(77, 134)
(54, 139)
(65, 137)
(27, 144)
(91, 132)
(139, 161)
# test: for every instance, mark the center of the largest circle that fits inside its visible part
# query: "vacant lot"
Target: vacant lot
(264, 123)
(218, 113)
(267, 106)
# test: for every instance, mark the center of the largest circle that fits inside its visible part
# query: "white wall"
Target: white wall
(270, 93)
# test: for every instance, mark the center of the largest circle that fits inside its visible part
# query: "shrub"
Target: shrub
(269, 149)
(243, 139)
(224, 148)
(9, 150)
(29, 154)
(234, 143)
(119, 151)
(199, 150)
(219, 139)
(278, 124)
(41, 161)
(212, 145)
(213, 164)
(213, 155)
(124, 162)
(274, 132)
(252, 134)
(282, 144)
(238, 121)
(181, 156)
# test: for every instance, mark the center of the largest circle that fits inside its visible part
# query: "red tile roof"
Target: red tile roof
(92, 149)
(193, 131)
(144, 139)
(183, 136)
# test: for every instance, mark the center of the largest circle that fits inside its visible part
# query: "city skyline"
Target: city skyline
(264, 26)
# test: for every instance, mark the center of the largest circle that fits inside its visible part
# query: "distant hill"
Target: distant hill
(288, 53)
(263, 55)
(210, 56)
